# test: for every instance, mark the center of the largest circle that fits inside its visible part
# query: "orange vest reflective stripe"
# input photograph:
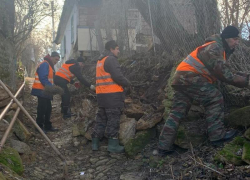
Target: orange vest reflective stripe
(104, 82)
(37, 83)
(193, 63)
(65, 73)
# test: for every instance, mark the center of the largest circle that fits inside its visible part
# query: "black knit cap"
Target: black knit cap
(80, 59)
(230, 32)
(54, 54)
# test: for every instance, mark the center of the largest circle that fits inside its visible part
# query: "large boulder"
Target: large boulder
(138, 143)
(239, 117)
(127, 129)
(134, 111)
(20, 147)
(246, 152)
(10, 158)
(247, 134)
(232, 152)
(148, 121)
(18, 129)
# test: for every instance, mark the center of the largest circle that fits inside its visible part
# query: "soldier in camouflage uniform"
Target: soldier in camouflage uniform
(194, 80)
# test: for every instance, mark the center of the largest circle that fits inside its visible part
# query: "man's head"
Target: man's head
(80, 61)
(113, 47)
(231, 36)
(55, 57)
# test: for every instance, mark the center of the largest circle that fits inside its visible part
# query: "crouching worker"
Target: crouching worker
(110, 97)
(44, 88)
(69, 70)
(194, 80)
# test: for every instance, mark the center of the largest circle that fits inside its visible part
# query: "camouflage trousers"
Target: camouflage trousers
(107, 120)
(209, 97)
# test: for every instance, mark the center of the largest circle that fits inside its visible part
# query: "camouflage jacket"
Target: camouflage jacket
(212, 58)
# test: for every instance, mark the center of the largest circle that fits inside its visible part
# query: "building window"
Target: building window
(72, 29)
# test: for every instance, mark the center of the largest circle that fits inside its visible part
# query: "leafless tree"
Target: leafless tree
(29, 14)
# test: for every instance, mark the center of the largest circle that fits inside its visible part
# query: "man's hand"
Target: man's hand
(77, 85)
(92, 87)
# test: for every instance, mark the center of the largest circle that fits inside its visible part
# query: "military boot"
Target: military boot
(229, 135)
(95, 144)
(114, 147)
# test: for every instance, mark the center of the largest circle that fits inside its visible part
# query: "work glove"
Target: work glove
(77, 85)
(92, 87)
(53, 90)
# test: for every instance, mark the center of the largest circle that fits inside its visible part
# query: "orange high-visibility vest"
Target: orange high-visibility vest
(193, 63)
(65, 73)
(104, 82)
(37, 83)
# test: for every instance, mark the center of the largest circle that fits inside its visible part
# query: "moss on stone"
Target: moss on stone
(8, 174)
(10, 158)
(239, 117)
(229, 153)
(2, 177)
(247, 134)
(246, 152)
(138, 143)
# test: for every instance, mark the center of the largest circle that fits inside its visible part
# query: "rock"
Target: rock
(138, 143)
(7, 174)
(148, 121)
(229, 153)
(191, 132)
(21, 131)
(155, 78)
(101, 162)
(87, 107)
(246, 152)
(3, 127)
(99, 176)
(134, 111)
(247, 134)
(93, 160)
(88, 134)
(20, 147)
(10, 158)
(127, 129)
(131, 175)
(239, 117)
(4, 102)
(75, 131)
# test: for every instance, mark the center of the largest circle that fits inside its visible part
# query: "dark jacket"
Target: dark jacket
(212, 56)
(111, 65)
(43, 72)
(74, 69)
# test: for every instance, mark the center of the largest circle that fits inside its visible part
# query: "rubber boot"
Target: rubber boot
(114, 147)
(65, 112)
(95, 144)
(229, 135)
